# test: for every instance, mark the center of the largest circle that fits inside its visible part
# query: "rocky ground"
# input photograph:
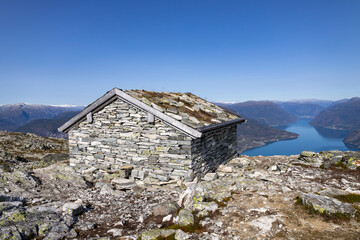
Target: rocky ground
(310, 196)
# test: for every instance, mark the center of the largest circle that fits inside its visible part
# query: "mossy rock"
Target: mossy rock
(158, 234)
(17, 216)
(185, 218)
(327, 206)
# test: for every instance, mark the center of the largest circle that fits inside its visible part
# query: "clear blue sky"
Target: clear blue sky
(73, 51)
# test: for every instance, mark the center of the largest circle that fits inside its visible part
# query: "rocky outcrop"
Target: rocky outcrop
(27, 151)
(328, 159)
(249, 197)
(21, 221)
(327, 205)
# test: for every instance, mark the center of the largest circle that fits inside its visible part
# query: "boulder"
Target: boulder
(184, 218)
(310, 158)
(73, 208)
(155, 234)
(164, 209)
(107, 189)
(181, 235)
(326, 205)
(305, 154)
(62, 175)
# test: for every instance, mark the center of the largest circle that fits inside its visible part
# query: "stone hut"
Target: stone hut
(161, 135)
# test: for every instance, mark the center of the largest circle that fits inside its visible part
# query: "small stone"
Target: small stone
(86, 226)
(72, 234)
(181, 235)
(274, 168)
(166, 233)
(167, 218)
(73, 208)
(307, 154)
(123, 183)
(210, 177)
(115, 232)
(189, 177)
(126, 167)
(89, 170)
(151, 235)
(208, 206)
(225, 169)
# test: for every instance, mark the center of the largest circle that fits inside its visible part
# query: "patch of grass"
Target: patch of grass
(195, 228)
(335, 217)
(357, 214)
(341, 165)
(348, 198)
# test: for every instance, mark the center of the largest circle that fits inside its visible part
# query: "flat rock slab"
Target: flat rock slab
(207, 206)
(225, 169)
(267, 224)
(123, 183)
(326, 205)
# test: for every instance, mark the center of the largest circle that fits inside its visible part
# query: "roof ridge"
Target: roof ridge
(182, 112)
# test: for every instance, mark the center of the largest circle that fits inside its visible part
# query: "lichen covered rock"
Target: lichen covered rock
(327, 205)
(184, 218)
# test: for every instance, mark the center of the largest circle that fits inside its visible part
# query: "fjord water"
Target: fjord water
(309, 139)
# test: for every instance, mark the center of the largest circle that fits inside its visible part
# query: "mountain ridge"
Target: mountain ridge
(341, 116)
(13, 116)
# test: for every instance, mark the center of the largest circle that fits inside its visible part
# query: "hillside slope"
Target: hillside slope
(302, 110)
(48, 127)
(255, 134)
(342, 116)
(352, 140)
(306, 196)
(263, 111)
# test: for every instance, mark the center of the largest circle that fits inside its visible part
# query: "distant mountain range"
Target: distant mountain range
(327, 115)
(48, 127)
(259, 129)
(265, 112)
(256, 131)
(302, 110)
(13, 116)
(341, 116)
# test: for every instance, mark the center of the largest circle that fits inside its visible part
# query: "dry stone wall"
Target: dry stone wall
(121, 135)
(214, 148)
